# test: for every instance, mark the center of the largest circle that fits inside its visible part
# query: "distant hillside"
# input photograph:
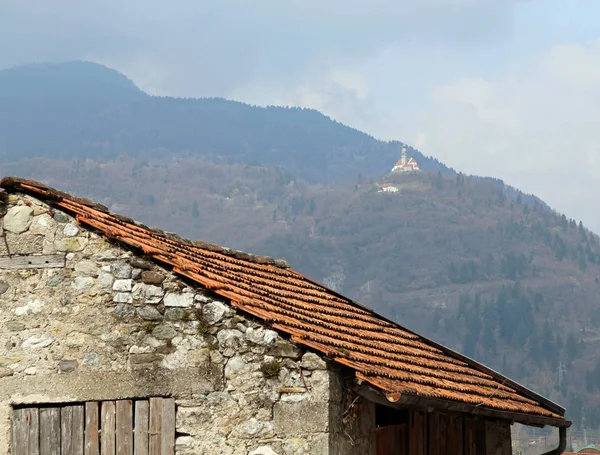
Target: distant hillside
(82, 109)
(70, 82)
(512, 284)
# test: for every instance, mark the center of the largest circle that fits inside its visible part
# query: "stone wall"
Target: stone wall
(110, 325)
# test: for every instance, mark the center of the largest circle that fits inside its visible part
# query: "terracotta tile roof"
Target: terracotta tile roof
(410, 164)
(381, 353)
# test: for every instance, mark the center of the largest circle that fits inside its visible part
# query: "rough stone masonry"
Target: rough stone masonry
(98, 322)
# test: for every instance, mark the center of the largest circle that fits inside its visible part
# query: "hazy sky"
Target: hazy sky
(506, 88)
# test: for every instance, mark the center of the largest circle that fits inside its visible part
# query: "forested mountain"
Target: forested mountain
(468, 261)
(82, 109)
(71, 82)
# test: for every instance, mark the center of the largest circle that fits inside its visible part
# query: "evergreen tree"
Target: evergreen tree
(571, 348)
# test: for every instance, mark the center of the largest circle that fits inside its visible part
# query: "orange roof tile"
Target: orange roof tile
(381, 352)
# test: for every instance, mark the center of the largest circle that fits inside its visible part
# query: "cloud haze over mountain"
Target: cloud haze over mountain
(504, 88)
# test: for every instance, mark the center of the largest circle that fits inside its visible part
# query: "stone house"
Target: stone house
(117, 338)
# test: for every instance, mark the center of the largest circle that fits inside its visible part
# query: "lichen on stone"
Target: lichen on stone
(271, 368)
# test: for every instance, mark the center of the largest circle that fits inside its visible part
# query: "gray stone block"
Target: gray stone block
(295, 418)
(18, 219)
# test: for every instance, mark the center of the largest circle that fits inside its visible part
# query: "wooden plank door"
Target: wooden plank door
(72, 423)
(455, 436)
(92, 429)
(26, 431)
(433, 434)
(141, 430)
(470, 436)
(123, 427)
(417, 433)
(155, 440)
(168, 426)
(438, 435)
(391, 440)
(162, 426)
(107, 428)
(50, 431)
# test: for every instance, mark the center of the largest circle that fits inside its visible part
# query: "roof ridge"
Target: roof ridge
(52, 193)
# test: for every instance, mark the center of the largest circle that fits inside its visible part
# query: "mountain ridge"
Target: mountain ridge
(310, 144)
(75, 80)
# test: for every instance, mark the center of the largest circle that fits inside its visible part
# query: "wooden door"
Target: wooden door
(122, 427)
(391, 440)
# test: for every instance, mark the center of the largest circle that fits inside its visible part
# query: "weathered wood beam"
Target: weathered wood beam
(407, 401)
(33, 261)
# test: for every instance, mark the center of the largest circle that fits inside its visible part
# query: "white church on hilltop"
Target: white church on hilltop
(406, 164)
